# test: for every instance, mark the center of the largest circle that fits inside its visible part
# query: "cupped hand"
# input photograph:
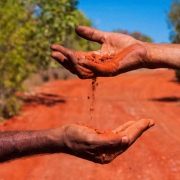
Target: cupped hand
(102, 147)
(119, 53)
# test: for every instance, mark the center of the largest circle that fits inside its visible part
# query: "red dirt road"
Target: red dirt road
(132, 96)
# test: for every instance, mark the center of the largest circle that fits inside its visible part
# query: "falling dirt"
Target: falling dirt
(97, 59)
(92, 99)
(131, 96)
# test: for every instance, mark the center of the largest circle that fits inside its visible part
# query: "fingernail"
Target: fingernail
(124, 140)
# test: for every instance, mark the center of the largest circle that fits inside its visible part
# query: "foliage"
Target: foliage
(137, 35)
(77, 43)
(13, 67)
(27, 29)
(174, 22)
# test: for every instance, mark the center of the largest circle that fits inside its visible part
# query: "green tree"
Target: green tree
(14, 26)
(27, 29)
(174, 22)
(55, 23)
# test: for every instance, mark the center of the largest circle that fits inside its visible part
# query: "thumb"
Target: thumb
(90, 34)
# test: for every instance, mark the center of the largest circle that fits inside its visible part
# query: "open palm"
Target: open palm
(119, 53)
(102, 147)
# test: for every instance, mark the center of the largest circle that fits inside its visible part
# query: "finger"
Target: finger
(90, 65)
(84, 73)
(81, 71)
(63, 50)
(110, 139)
(135, 131)
(124, 126)
(60, 58)
(90, 34)
(72, 58)
(66, 52)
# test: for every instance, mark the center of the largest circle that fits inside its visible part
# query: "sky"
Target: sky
(146, 16)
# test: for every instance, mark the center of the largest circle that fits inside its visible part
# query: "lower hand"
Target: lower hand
(102, 147)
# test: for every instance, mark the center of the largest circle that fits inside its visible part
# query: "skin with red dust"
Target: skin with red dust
(100, 59)
(130, 54)
(120, 99)
(106, 64)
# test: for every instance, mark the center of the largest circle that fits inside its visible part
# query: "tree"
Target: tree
(77, 43)
(174, 22)
(14, 25)
(27, 29)
(55, 23)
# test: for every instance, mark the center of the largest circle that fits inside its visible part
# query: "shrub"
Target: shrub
(27, 29)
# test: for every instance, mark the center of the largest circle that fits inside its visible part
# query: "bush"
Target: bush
(9, 107)
(27, 29)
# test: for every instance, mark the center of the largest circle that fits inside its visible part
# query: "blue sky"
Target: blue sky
(146, 16)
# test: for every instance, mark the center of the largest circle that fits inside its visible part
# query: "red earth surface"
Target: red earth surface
(132, 96)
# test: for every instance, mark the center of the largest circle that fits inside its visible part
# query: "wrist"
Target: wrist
(162, 55)
(56, 140)
(151, 60)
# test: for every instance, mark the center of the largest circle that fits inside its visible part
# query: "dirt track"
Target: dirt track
(132, 96)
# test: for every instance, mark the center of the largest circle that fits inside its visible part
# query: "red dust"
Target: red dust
(100, 58)
(97, 59)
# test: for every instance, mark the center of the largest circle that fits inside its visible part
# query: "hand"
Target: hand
(102, 147)
(119, 53)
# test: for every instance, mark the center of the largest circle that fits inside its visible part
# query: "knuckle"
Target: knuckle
(69, 54)
(94, 33)
(105, 37)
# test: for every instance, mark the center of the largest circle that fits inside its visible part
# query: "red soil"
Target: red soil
(131, 96)
(100, 59)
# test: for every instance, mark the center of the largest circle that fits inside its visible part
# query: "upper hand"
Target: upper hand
(119, 53)
(102, 147)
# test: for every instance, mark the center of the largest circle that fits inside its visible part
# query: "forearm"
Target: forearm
(163, 55)
(19, 144)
